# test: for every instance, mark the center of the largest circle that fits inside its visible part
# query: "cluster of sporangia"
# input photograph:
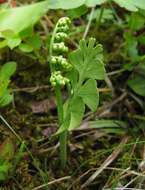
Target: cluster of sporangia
(58, 60)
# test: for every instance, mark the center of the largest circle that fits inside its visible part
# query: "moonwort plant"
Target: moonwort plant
(78, 71)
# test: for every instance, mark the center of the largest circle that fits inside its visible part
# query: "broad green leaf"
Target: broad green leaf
(34, 41)
(24, 47)
(66, 119)
(3, 87)
(73, 77)
(20, 18)
(63, 4)
(13, 42)
(65, 108)
(72, 4)
(88, 60)
(77, 109)
(104, 123)
(3, 43)
(65, 124)
(109, 126)
(92, 3)
(6, 98)
(89, 94)
(131, 5)
(12, 39)
(136, 21)
(26, 32)
(138, 85)
(131, 45)
(73, 114)
(140, 4)
(76, 13)
(7, 70)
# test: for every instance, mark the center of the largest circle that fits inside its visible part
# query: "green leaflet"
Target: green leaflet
(12, 39)
(138, 85)
(3, 86)
(131, 44)
(90, 94)
(88, 65)
(88, 60)
(6, 72)
(24, 47)
(73, 77)
(73, 114)
(32, 43)
(77, 109)
(6, 98)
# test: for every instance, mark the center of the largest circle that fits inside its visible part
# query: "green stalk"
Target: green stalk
(89, 23)
(51, 45)
(100, 18)
(59, 101)
(63, 135)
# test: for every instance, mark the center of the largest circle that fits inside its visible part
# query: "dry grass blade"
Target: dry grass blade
(52, 182)
(107, 162)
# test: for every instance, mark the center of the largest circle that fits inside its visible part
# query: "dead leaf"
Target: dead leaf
(42, 106)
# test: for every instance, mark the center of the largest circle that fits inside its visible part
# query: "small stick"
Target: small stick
(52, 182)
(89, 23)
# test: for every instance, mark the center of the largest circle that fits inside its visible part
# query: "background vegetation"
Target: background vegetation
(107, 150)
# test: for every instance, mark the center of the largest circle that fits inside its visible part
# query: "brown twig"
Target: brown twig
(52, 182)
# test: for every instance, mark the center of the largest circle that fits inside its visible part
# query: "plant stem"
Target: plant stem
(100, 18)
(51, 45)
(63, 135)
(89, 23)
